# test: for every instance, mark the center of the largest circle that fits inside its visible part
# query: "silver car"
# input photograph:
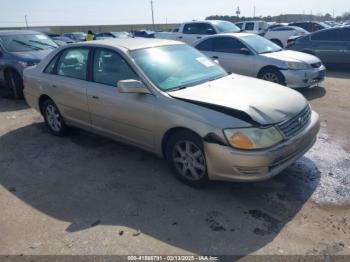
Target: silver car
(255, 56)
(168, 98)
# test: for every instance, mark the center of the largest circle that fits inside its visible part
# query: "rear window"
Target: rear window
(249, 26)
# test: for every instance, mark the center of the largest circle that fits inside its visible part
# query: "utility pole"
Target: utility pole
(26, 20)
(333, 14)
(152, 14)
(254, 11)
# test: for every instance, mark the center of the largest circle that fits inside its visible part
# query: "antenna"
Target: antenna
(152, 14)
(26, 20)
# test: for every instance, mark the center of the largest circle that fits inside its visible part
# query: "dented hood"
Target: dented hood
(265, 102)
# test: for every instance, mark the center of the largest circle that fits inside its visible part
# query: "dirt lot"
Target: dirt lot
(88, 195)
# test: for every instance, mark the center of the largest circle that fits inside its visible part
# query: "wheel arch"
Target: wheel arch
(265, 68)
(8, 69)
(42, 100)
(172, 131)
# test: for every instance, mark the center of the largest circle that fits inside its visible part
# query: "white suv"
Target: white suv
(280, 35)
(255, 27)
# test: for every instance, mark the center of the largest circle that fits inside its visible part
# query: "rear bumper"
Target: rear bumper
(229, 164)
(304, 78)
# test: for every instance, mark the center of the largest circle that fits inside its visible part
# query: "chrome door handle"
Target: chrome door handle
(95, 97)
(54, 86)
(215, 57)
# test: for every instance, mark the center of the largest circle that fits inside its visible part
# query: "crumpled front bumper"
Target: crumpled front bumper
(228, 164)
(304, 78)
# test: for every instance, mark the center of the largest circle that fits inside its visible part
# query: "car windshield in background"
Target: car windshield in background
(121, 34)
(175, 67)
(260, 44)
(24, 43)
(226, 27)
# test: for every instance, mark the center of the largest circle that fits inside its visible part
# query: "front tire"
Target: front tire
(272, 75)
(53, 118)
(14, 84)
(185, 155)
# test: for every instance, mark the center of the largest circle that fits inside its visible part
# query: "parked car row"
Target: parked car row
(20, 49)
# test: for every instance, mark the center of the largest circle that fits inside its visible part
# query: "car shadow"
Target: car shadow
(87, 180)
(339, 72)
(313, 93)
(8, 105)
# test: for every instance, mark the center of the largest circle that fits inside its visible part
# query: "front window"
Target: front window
(109, 68)
(25, 43)
(226, 27)
(260, 44)
(177, 66)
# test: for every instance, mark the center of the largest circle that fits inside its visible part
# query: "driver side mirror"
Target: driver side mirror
(245, 51)
(132, 86)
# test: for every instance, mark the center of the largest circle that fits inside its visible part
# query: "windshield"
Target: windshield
(260, 44)
(175, 67)
(226, 27)
(25, 43)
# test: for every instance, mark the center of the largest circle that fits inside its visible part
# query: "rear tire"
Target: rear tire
(272, 75)
(53, 118)
(14, 84)
(186, 157)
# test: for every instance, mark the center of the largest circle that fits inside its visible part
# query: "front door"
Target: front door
(126, 116)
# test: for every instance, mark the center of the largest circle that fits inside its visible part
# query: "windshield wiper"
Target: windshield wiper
(177, 88)
(42, 43)
(28, 45)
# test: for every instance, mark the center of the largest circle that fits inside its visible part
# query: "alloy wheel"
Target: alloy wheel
(189, 160)
(53, 118)
(272, 77)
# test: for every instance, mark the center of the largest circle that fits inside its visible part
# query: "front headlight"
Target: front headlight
(297, 66)
(253, 138)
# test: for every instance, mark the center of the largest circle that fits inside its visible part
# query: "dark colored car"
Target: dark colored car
(332, 45)
(60, 40)
(311, 26)
(76, 36)
(20, 49)
(106, 35)
(143, 33)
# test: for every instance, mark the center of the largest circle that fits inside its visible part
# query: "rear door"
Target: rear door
(328, 45)
(65, 80)
(125, 116)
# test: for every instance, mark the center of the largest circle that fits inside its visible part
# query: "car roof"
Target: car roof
(130, 44)
(240, 34)
(18, 32)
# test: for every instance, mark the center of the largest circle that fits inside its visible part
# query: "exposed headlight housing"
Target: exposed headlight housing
(297, 66)
(253, 138)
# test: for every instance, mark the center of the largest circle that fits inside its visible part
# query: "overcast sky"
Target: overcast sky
(89, 12)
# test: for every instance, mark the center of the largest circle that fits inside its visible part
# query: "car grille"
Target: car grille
(292, 126)
(316, 65)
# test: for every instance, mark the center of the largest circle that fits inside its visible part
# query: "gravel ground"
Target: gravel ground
(85, 194)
